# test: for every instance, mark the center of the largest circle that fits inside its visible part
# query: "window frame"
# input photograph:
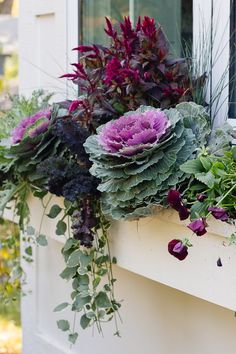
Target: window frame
(213, 15)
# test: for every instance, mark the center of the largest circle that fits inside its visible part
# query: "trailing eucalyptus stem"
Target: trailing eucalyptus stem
(89, 265)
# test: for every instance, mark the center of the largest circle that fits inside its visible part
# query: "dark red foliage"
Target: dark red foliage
(135, 69)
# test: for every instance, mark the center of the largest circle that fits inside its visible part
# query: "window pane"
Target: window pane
(93, 14)
(174, 16)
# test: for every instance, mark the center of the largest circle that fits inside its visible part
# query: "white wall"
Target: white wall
(157, 319)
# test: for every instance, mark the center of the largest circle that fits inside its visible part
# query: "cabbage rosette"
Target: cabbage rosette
(137, 157)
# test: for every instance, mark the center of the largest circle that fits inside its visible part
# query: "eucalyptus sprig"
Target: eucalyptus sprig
(90, 269)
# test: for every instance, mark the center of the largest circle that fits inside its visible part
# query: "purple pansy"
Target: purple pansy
(198, 226)
(175, 201)
(131, 134)
(19, 132)
(178, 249)
(219, 213)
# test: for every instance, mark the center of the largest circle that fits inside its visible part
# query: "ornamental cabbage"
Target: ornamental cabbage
(32, 126)
(130, 135)
(137, 157)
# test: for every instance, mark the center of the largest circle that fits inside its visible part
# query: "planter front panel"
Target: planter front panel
(152, 313)
(141, 247)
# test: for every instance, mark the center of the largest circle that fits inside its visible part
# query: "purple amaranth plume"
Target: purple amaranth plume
(149, 28)
(135, 132)
(24, 126)
(135, 69)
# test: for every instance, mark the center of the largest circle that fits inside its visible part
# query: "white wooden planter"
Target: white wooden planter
(141, 247)
(157, 318)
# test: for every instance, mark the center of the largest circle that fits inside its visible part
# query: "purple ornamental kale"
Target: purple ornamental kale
(131, 134)
(24, 126)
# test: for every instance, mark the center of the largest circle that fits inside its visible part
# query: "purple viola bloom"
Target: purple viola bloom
(175, 201)
(198, 226)
(183, 213)
(23, 127)
(219, 213)
(134, 133)
(178, 249)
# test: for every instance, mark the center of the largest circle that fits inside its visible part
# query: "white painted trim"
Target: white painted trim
(72, 8)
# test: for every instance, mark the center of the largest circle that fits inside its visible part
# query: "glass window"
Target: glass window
(175, 17)
(92, 18)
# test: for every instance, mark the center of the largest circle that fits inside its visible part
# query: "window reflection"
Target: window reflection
(174, 16)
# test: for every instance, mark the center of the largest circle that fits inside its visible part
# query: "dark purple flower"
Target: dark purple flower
(134, 133)
(175, 201)
(219, 213)
(201, 197)
(198, 226)
(177, 249)
(183, 213)
(39, 123)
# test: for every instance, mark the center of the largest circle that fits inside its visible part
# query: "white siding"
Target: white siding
(157, 319)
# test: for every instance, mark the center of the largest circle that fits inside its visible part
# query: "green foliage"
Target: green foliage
(63, 325)
(22, 107)
(61, 307)
(217, 177)
(132, 185)
(91, 296)
(10, 271)
(42, 240)
(54, 211)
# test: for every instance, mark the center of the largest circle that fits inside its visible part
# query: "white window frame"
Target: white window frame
(220, 56)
